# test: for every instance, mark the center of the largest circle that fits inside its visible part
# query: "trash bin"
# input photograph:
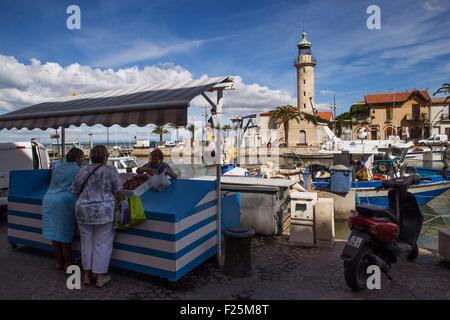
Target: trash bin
(306, 175)
(341, 179)
(238, 251)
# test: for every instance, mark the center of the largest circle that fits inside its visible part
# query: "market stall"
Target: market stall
(184, 222)
(178, 235)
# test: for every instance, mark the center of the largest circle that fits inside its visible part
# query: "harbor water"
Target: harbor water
(434, 211)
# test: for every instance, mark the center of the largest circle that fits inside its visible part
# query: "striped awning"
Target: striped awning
(157, 104)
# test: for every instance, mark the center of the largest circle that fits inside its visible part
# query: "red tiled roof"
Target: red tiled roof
(266, 114)
(439, 100)
(325, 115)
(395, 96)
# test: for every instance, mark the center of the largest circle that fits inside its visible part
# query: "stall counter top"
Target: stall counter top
(181, 199)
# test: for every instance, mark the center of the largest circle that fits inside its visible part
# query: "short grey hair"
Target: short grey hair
(99, 154)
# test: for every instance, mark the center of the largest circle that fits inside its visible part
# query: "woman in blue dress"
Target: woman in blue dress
(58, 208)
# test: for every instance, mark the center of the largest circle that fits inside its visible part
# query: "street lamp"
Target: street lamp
(237, 125)
(237, 122)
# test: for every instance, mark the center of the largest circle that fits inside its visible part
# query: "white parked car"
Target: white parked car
(435, 139)
(20, 156)
(170, 144)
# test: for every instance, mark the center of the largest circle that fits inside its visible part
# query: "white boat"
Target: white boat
(336, 145)
(122, 163)
(424, 154)
(142, 144)
(170, 144)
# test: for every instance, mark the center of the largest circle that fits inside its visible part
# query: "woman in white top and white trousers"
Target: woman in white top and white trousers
(97, 186)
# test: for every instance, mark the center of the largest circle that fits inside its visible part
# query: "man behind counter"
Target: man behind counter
(156, 165)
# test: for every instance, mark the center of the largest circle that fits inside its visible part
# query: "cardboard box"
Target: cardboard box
(139, 190)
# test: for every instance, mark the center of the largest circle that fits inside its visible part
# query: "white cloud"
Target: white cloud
(27, 84)
(13, 74)
(144, 51)
(326, 92)
(324, 107)
(432, 5)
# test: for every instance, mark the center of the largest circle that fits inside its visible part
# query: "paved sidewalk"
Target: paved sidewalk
(281, 271)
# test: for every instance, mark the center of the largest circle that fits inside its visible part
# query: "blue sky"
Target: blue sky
(254, 40)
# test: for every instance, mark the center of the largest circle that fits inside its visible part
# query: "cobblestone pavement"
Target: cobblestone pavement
(281, 270)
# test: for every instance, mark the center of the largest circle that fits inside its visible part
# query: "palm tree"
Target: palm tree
(176, 127)
(191, 129)
(161, 131)
(445, 88)
(283, 114)
(226, 128)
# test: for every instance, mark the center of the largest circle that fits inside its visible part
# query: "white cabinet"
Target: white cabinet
(302, 217)
(324, 222)
(312, 220)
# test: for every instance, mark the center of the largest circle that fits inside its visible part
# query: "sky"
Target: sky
(128, 43)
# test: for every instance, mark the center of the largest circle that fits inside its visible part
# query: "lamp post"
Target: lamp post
(237, 125)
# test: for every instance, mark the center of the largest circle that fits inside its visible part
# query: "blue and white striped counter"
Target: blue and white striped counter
(180, 232)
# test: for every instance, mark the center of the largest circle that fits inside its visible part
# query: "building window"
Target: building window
(302, 137)
(304, 106)
(389, 111)
(373, 135)
(446, 112)
(304, 81)
(304, 93)
(304, 69)
(415, 112)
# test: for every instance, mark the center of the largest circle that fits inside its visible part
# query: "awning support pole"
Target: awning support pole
(212, 104)
(63, 143)
(219, 171)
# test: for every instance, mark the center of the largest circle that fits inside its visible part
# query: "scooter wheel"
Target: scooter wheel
(355, 271)
(413, 254)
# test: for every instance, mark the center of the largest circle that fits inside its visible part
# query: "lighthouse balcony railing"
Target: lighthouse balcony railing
(299, 61)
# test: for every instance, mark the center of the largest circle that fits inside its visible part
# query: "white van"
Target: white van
(435, 139)
(19, 156)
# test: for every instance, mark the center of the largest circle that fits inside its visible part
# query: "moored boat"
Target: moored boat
(425, 191)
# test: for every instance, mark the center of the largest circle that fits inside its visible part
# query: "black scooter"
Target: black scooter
(379, 235)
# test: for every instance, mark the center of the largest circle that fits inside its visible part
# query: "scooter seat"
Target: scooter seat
(371, 210)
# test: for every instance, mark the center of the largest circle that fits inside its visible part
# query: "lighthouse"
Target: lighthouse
(305, 63)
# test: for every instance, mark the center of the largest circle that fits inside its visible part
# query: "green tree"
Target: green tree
(445, 89)
(226, 128)
(161, 131)
(175, 127)
(284, 114)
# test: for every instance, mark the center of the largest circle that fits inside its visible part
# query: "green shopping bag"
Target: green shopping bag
(133, 216)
